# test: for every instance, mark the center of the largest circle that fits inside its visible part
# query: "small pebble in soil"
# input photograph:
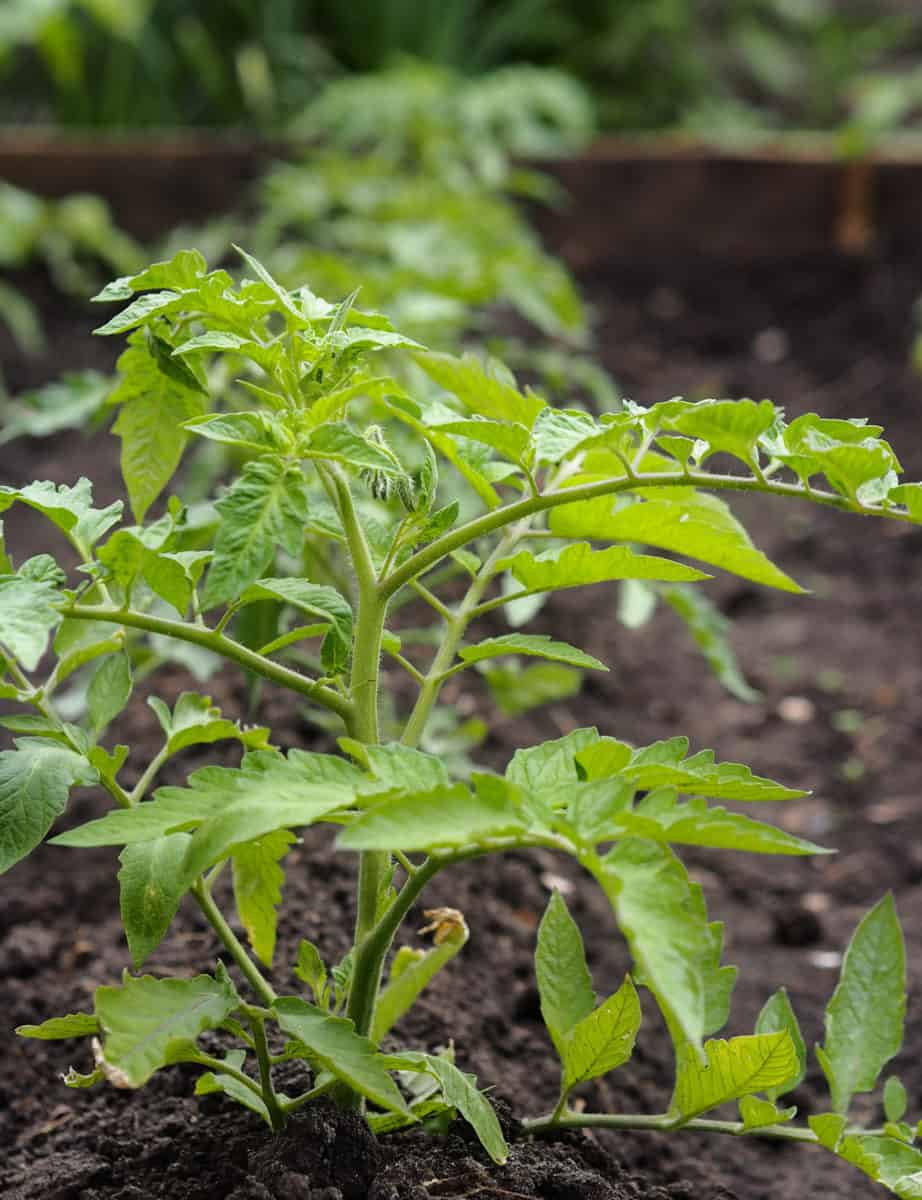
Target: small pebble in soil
(796, 710)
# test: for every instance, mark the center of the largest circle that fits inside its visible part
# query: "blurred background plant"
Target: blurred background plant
(731, 66)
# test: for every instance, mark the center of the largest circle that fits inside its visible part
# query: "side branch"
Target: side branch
(219, 644)
(455, 539)
(663, 1123)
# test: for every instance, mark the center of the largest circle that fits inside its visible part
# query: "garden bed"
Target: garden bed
(841, 712)
(624, 196)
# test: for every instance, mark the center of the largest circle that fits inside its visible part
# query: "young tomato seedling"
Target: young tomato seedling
(339, 511)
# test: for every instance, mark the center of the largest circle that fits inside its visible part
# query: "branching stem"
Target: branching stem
(662, 1123)
(219, 644)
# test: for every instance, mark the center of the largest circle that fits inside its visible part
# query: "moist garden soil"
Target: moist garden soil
(840, 676)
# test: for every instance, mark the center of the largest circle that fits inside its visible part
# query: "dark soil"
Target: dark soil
(841, 712)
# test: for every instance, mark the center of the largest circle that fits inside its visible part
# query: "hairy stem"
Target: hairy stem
(46, 708)
(455, 539)
(270, 1099)
(219, 644)
(371, 952)
(232, 943)
(663, 1123)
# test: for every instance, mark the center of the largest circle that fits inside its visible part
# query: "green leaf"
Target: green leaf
(828, 1127)
(603, 1040)
(678, 519)
(663, 764)
(516, 689)
(339, 442)
(170, 576)
(409, 977)
(243, 821)
(727, 426)
(757, 1114)
(443, 819)
(735, 1068)
(396, 766)
(896, 1100)
(151, 885)
(660, 817)
(777, 1015)
(70, 508)
(484, 389)
(551, 765)
(578, 565)
(265, 507)
(195, 721)
(55, 1028)
(265, 793)
(509, 440)
(258, 880)
(256, 431)
(710, 630)
(155, 406)
(214, 339)
(333, 1044)
(537, 645)
(140, 311)
(461, 1092)
(660, 913)
(71, 402)
(141, 1018)
(211, 1082)
(310, 969)
(558, 431)
(35, 779)
(564, 982)
(864, 1018)
(184, 270)
(316, 600)
(27, 616)
(109, 690)
(888, 1160)
(293, 315)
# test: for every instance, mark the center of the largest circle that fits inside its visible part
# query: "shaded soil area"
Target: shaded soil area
(840, 676)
